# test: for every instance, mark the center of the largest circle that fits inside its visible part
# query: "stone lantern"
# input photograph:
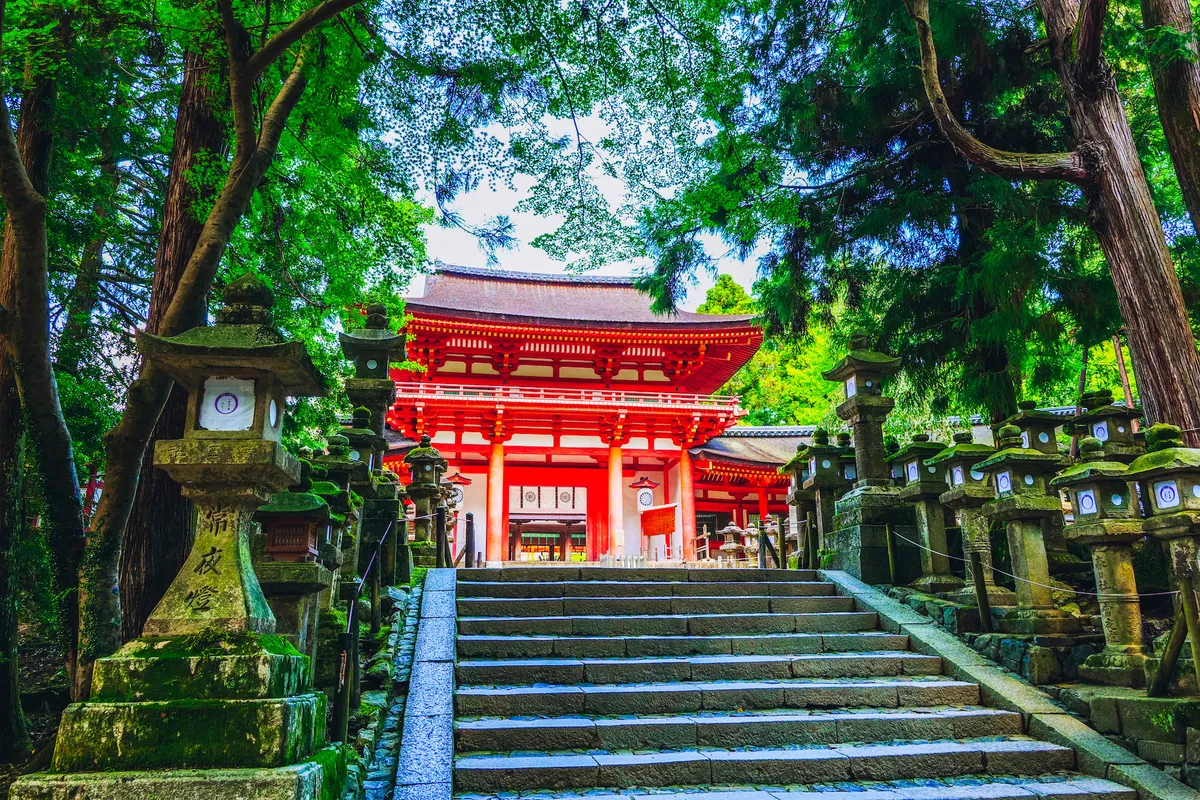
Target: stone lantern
(804, 501)
(1112, 425)
(1106, 520)
(872, 507)
(1021, 477)
(238, 374)
(1169, 478)
(295, 523)
(1038, 433)
(345, 472)
(372, 348)
(967, 490)
(366, 445)
(426, 466)
(825, 481)
(208, 676)
(923, 484)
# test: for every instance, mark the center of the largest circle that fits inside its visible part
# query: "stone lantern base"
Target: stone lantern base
(321, 776)
(293, 590)
(1040, 621)
(859, 540)
(1116, 666)
(225, 707)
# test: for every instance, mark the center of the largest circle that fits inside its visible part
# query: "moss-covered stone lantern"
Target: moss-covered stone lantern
(1106, 520)
(967, 490)
(238, 374)
(1021, 477)
(294, 523)
(1169, 478)
(1038, 433)
(825, 481)
(209, 700)
(923, 484)
(366, 445)
(372, 348)
(804, 501)
(872, 507)
(1112, 425)
(426, 466)
(345, 472)
(847, 465)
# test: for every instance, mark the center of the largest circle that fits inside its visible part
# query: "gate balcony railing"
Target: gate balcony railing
(409, 392)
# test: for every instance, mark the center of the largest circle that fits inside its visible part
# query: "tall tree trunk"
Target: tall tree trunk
(1177, 92)
(1122, 215)
(161, 528)
(1106, 167)
(24, 169)
(14, 734)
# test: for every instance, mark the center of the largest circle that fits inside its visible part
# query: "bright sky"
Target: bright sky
(456, 246)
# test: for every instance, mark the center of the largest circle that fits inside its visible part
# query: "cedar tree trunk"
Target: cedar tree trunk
(1177, 92)
(1120, 211)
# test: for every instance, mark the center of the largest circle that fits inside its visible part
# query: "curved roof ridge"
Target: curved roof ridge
(533, 277)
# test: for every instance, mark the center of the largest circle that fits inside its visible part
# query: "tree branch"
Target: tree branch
(241, 82)
(1052, 166)
(1089, 30)
(280, 42)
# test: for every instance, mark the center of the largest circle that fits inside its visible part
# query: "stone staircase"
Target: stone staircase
(736, 684)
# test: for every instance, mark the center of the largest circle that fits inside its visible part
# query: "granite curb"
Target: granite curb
(1095, 755)
(426, 764)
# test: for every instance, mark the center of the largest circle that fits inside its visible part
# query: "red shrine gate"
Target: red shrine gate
(556, 382)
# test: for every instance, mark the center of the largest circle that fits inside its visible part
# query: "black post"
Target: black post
(387, 573)
(891, 553)
(376, 609)
(341, 697)
(981, 595)
(762, 543)
(470, 539)
(355, 671)
(404, 563)
(439, 539)
(811, 535)
(1166, 667)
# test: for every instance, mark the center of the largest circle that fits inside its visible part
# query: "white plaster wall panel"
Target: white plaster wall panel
(578, 373)
(664, 444)
(444, 437)
(583, 441)
(638, 443)
(531, 440)
(452, 368)
(534, 371)
(473, 437)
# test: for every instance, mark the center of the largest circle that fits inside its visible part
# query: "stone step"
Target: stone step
(684, 698)
(554, 573)
(567, 671)
(774, 728)
(636, 646)
(671, 624)
(641, 589)
(569, 606)
(868, 762)
(1057, 786)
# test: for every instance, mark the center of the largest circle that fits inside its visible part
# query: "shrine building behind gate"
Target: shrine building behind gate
(575, 416)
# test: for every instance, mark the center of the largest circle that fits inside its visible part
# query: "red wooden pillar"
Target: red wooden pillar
(687, 504)
(495, 503)
(616, 506)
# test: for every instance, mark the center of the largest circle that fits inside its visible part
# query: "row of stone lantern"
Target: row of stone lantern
(1019, 483)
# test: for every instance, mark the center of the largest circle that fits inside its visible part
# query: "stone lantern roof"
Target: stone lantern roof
(243, 338)
(862, 359)
(374, 337)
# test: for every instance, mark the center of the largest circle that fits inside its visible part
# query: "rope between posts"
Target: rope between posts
(363, 583)
(1035, 583)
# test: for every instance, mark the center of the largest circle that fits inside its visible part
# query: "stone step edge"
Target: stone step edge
(1069, 786)
(813, 764)
(469, 618)
(737, 658)
(583, 720)
(739, 685)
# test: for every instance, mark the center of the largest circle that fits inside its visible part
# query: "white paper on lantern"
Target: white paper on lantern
(958, 476)
(851, 387)
(913, 474)
(1166, 494)
(227, 405)
(1025, 439)
(1100, 431)
(1004, 482)
(851, 472)
(1087, 502)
